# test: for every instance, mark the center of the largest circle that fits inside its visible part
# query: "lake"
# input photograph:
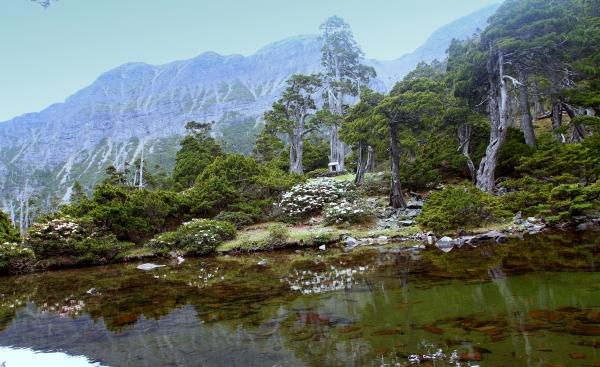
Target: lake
(529, 302)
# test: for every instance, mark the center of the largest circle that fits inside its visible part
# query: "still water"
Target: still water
(530, 302)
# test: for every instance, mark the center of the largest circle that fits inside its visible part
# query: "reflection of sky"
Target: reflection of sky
(309, 282)
(28, 357)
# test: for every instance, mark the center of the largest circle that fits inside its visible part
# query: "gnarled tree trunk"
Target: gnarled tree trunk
(526, 119)
(396, 197)
(361, 164)
(464, 141)
(370, 168)
(499, 123)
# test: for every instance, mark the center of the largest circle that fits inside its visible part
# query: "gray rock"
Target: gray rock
(415, 204)
(445, 244)
(532, 220)
(407, 222)
(351, 242)
(412, 213)
(149, 266)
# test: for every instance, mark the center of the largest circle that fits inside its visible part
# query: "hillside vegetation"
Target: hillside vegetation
(505, 126)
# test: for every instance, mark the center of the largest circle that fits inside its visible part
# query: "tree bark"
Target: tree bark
(578, 131)
(361, 164)
(370, 160)
(557, 117)
(396, 197)
(526, 119)
(499, 124)
(296, 150)
(464, 141)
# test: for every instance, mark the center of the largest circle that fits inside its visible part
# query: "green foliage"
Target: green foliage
(238, 219)
(79, 239)
(513, 151)
(197, 152)
(14, 257)
(278, 235)
(237, 183)
(460, 206)
(376, 183)
(197, 237)
(555, 203)
(563, 163)
(130, 215)
(8, 233)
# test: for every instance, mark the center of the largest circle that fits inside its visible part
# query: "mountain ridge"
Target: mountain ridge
(141, 105)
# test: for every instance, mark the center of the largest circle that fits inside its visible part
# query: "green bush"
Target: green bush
(555, 203)
(197, 237)
(80, 239)
(238, 219)
(14, 257)
(8, 233)
(460, 206)
(278, 235)
(239, 184)
(376, 183)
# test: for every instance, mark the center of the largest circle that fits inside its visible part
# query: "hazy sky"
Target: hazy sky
(47, 55)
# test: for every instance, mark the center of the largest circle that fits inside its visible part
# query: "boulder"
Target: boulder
(445, 244)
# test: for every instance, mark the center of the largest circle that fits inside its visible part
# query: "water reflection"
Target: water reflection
(524, 303)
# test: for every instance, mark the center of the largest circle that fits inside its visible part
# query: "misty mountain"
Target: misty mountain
(138, 106)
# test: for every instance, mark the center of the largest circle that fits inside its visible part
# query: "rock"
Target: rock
(445, 244)
(407, 222)
(382, 240)
(585, 226)
(414, 204)
(149, 266)
(498, 236)
(517, 217)
(180, 259)
(92, 291)
(532, 220)
(262, 262)
(322, 247)
(351, 242)
(412, 213)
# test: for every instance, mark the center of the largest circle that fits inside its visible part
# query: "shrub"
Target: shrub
(278, 235)
(555, 203)
(238, 184)
(460, 206)
(346, 211)
(376, 183)
(197, 237)
(238, 219)
(67, 237)
(14, 257)
(311, 197)
(8, 233)
(319, 172)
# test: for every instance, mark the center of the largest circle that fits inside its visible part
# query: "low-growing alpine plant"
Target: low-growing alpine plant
(196, 237)
(311, 197)
(346, 211)
(79, 239)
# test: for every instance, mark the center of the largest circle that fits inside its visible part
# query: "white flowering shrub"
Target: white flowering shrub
(14, 257)
(311, 197)
(346, 211)
(199, 236)
(80, 238)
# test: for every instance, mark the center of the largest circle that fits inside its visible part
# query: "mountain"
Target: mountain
(138, 106)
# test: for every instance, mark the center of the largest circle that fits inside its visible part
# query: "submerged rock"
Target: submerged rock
(149, 266)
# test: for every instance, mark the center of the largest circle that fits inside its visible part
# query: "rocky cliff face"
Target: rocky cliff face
(139, 106)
